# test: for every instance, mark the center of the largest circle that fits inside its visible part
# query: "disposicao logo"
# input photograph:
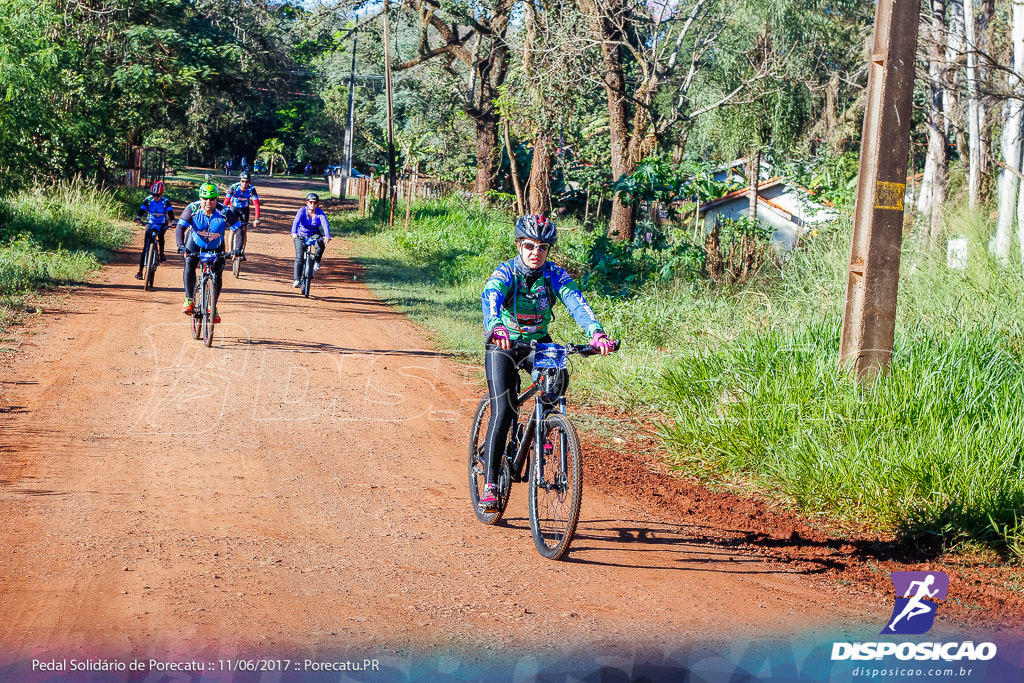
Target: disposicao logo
(912, 614)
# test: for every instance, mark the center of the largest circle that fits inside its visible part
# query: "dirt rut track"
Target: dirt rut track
(301, 487)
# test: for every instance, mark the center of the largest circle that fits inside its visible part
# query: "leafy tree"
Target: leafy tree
(271, 152)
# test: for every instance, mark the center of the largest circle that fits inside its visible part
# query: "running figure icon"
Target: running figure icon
(912, 591)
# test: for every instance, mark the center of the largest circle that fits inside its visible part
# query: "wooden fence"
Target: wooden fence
(371, 188)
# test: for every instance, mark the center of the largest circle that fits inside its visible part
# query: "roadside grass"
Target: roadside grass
(54, 236)
(745, 380)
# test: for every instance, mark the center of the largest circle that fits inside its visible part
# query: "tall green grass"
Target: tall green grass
(55, 235)
(746, 379)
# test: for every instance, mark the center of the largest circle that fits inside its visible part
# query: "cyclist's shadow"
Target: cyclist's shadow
(677, 547)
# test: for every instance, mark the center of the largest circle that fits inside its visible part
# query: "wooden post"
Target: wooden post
(754, 173)
(409, 198)
(873, 276)
(392, 176)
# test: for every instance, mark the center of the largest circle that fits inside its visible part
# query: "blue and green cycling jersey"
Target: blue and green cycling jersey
(207, 231)
(524, 307)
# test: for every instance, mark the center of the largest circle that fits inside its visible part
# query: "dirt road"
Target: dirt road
(301, 486)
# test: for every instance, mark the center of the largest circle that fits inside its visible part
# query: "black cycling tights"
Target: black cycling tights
(502, 368)
(300, 253)
(160, 243)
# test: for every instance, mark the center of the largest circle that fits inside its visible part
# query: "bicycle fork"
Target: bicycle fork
(540, 442)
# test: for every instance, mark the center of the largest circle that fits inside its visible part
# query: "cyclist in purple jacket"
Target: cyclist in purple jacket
(309, 220)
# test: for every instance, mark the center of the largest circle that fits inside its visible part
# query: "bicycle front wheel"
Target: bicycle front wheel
(150, 269)
(209, 306)
(307, 274)
(556, 488)
(478, 465)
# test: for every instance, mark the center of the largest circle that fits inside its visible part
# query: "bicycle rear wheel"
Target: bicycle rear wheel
(150, 266)
(477, 465)
(209, 306)
(556, 490)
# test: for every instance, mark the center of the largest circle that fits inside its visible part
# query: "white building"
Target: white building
(786, 209)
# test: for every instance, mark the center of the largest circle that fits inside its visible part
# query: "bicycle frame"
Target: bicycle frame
(206, 261)
(535, 426)
(310, 255)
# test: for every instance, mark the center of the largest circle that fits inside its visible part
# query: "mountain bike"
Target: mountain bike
(152, 251)
(204, 298)
(543, 449)
(308, 263)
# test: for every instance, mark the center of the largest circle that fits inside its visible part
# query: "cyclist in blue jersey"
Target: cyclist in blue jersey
(206, 226)
(239, 196)
(245, 165)
(517, 307)
(159, 213)
(309, 220)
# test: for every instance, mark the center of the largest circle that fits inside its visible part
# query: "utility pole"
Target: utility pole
(873, 277)
(391, 116)
(346, 166)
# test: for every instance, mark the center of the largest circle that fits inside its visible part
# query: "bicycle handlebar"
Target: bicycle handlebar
(233, 252)
(581, 349)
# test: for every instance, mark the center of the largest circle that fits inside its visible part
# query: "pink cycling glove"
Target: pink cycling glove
(499, 332)
(602, 343)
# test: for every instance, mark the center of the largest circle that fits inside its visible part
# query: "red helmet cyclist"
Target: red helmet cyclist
(159, 214)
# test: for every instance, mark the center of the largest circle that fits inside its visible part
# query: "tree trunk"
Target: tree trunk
(933, 186)
(1015, 125)
(540, 175)
(1007, 178)
(950, 77)
(520, 207)
(607, 21)
(486, 163)
(973, 110)
(986, 117)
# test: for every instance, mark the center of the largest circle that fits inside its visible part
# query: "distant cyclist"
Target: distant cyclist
(207, 226)
(517, 305)
(238, 198)
(244, 166)
(159, 212)
(309, 220)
